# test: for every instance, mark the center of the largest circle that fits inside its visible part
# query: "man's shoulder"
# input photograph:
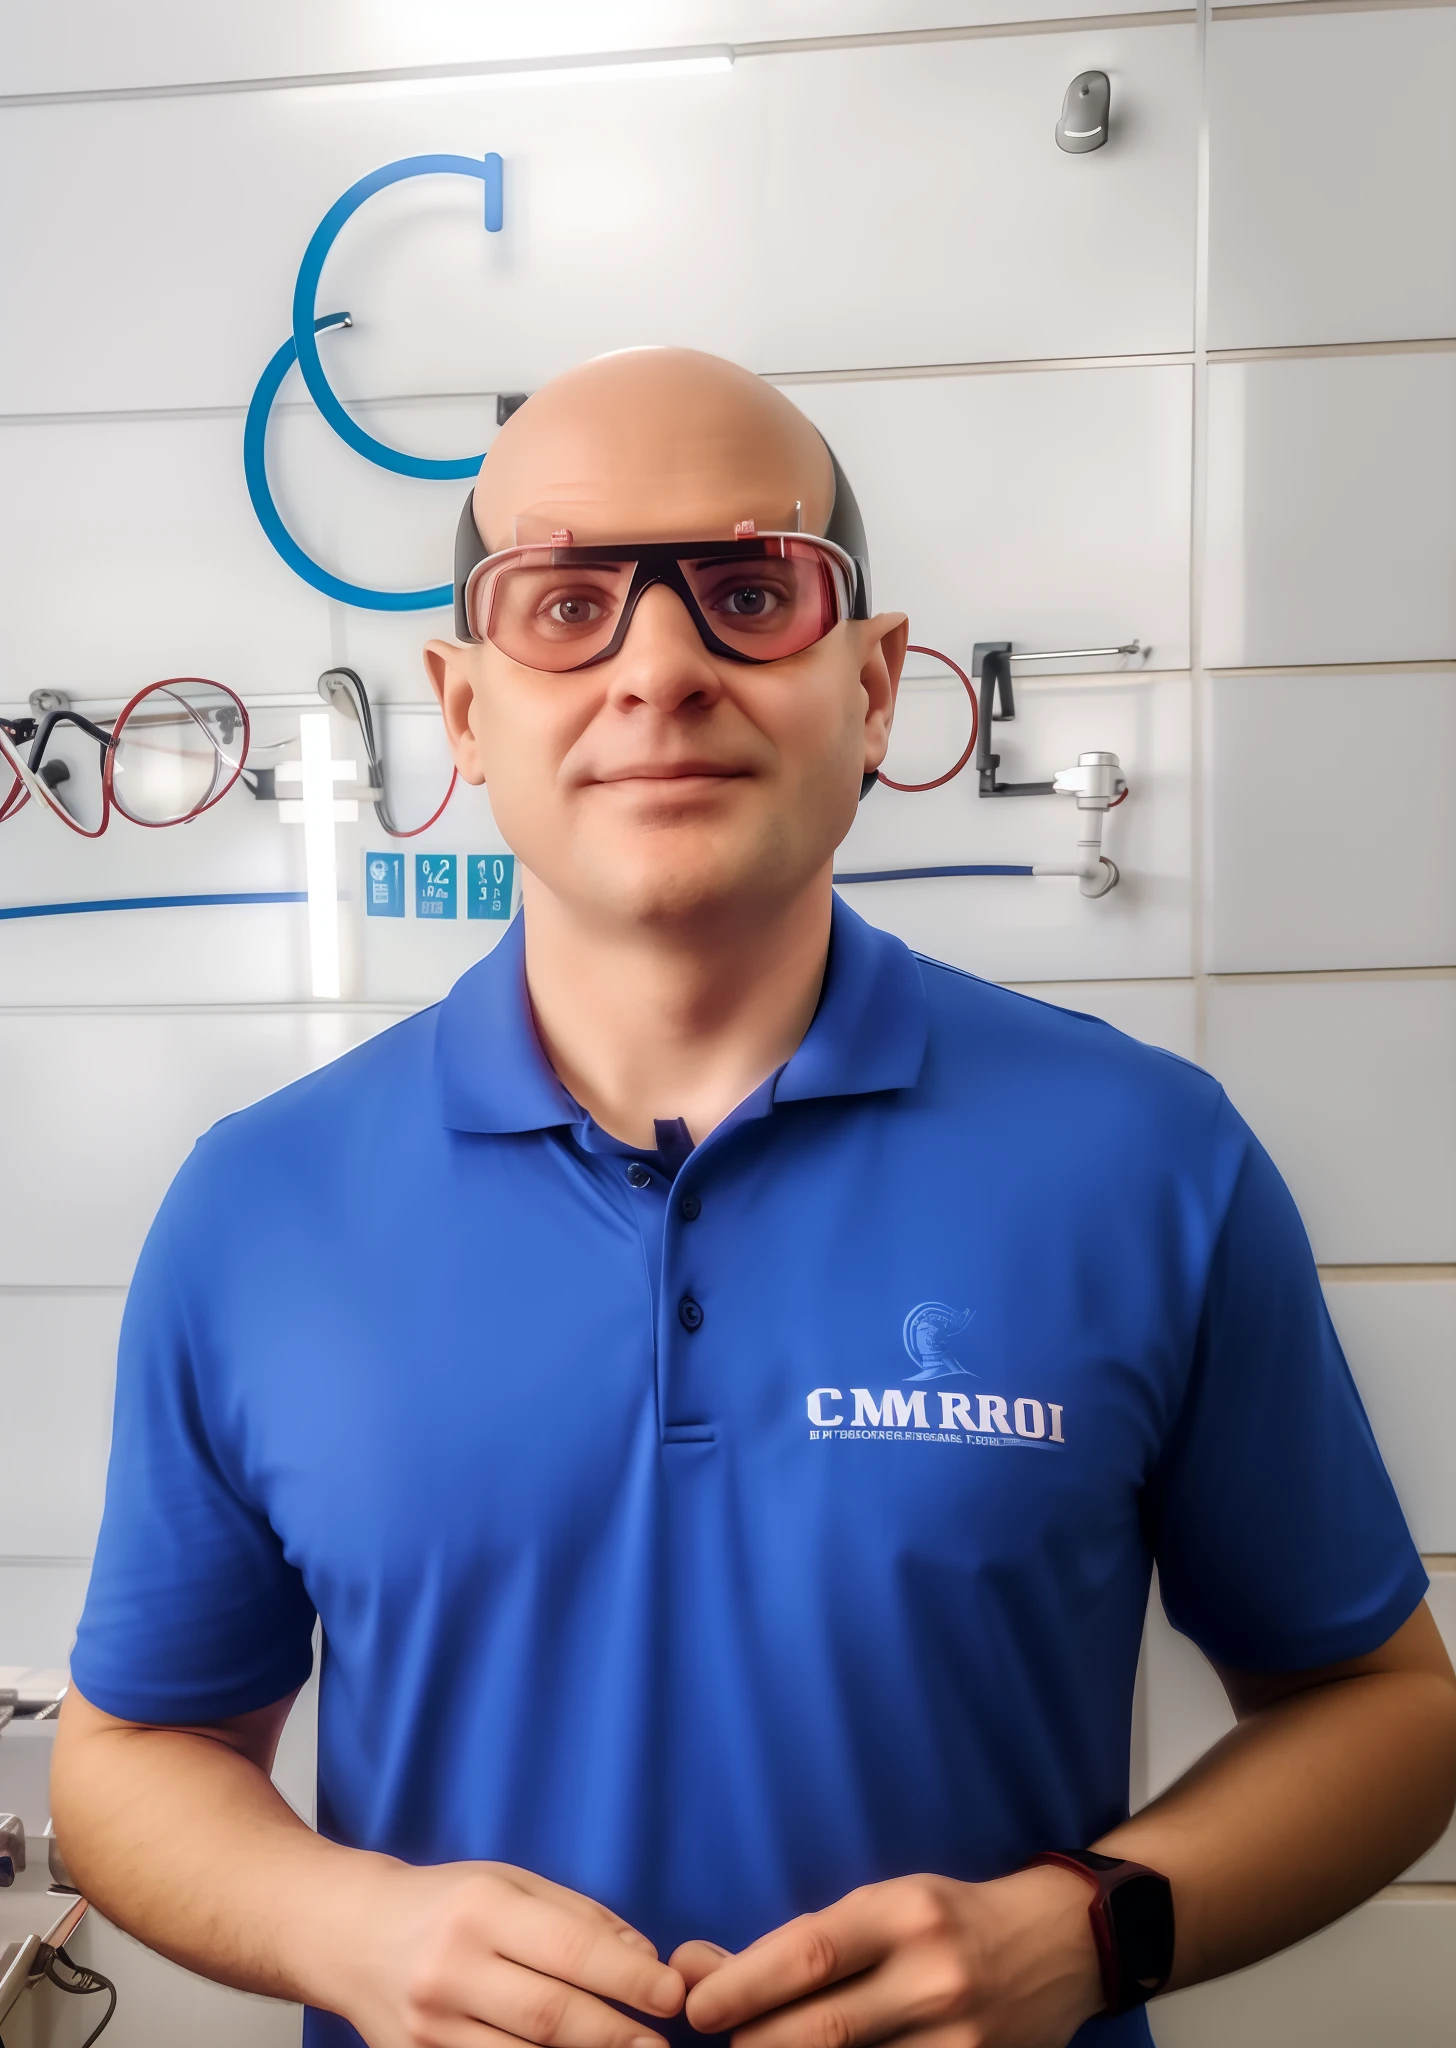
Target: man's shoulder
(995, 1042)
(348, 1107)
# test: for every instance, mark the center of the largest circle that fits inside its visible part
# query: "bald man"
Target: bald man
(719, 1417)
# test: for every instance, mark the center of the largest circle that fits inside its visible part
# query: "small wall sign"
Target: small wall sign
(490, 886)
(434, 885)
(384, 884)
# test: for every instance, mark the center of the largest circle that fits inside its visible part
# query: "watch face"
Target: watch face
(1142, 1920)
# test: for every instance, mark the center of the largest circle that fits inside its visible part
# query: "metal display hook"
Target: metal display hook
(991, 666)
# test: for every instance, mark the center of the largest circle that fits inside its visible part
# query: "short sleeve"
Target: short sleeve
(1279, 1540)
(193, 1613)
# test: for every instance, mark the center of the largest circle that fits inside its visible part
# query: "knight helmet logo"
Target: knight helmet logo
(929, 1330)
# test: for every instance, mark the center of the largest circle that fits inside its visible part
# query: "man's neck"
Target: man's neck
(642, 1023)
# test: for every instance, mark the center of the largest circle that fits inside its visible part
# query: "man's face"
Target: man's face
(668, 783)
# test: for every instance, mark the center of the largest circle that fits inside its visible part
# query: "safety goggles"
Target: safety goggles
(168, 756)
(399, 808)
(555, 606)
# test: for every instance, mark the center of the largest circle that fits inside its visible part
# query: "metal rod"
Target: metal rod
(1079, 653)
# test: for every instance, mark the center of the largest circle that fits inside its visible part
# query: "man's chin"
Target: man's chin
(682, 875)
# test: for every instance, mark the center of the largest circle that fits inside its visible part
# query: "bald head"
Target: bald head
(653, 444)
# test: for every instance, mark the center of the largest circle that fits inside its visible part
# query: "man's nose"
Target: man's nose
(662, 660)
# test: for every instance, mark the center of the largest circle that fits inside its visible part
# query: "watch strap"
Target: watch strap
(1127, 1980)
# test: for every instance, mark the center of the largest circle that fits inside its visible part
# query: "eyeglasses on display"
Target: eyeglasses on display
(169, 755)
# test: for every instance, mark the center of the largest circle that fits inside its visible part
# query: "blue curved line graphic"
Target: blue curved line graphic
(255, 474)
(305, 300)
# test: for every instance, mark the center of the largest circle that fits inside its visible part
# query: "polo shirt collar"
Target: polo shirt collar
(868, 1034)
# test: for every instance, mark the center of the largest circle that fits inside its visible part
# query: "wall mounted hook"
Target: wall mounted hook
(1086, 112)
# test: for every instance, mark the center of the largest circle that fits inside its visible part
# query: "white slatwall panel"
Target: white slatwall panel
(110, 1107)
(1337, 788)
(1331, 518)
(1352, 1087)
(57, 1371)
(865, 157)
(1400, 1339)
(1315, 235)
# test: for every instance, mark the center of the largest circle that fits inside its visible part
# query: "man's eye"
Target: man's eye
(574, 610)
(749, 601)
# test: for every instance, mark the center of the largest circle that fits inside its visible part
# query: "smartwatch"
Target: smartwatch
(1132, 1923)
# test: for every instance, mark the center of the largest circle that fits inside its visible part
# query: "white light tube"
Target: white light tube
(318, 811)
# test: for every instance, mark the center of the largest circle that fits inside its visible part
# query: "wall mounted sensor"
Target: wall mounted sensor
(1085, 113)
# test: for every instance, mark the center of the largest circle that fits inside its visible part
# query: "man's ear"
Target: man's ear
(880, 679)
(451, 670)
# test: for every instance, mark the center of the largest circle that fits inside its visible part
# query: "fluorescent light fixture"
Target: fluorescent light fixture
(587, 70)
(318, 811)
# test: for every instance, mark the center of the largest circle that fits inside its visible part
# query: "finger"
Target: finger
(459, 2030)
(904, 1994)
(795, 1960)
(580, 1904)
(584, 1950)
(540, 2009)
(694, 1960)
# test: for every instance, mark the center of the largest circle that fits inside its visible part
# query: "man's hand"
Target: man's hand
(1010, 1964)
(481, 1953)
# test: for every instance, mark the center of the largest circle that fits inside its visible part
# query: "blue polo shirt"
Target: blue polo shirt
(714, 1530)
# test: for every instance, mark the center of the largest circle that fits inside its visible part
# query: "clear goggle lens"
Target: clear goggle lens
(176, 751)
(557, 609)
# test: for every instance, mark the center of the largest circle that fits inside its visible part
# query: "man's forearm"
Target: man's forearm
(1310, 1805)
(183, 1841)
(179, 1836)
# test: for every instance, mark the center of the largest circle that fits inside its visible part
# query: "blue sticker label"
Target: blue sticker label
(492, 882)
(434, 885)
(384, 884)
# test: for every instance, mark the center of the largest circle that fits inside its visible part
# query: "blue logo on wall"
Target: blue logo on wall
(302, 348)
(929, 1328)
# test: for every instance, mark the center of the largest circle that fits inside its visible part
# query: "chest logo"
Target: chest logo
(930, 1329)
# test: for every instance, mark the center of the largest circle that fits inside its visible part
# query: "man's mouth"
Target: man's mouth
(672, 771)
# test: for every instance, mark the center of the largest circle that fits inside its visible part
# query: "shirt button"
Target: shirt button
(638, 1175)
(690, 1313)
(689, 1208)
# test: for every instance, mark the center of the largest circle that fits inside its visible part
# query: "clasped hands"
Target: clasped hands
(505, 1957)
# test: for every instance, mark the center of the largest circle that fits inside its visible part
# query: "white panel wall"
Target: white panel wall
(1005, 345)
(1331, 518)
(833, 152)
(1352, 1086)
(1332, 212)
(1337, 788)
(1400, 1339)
